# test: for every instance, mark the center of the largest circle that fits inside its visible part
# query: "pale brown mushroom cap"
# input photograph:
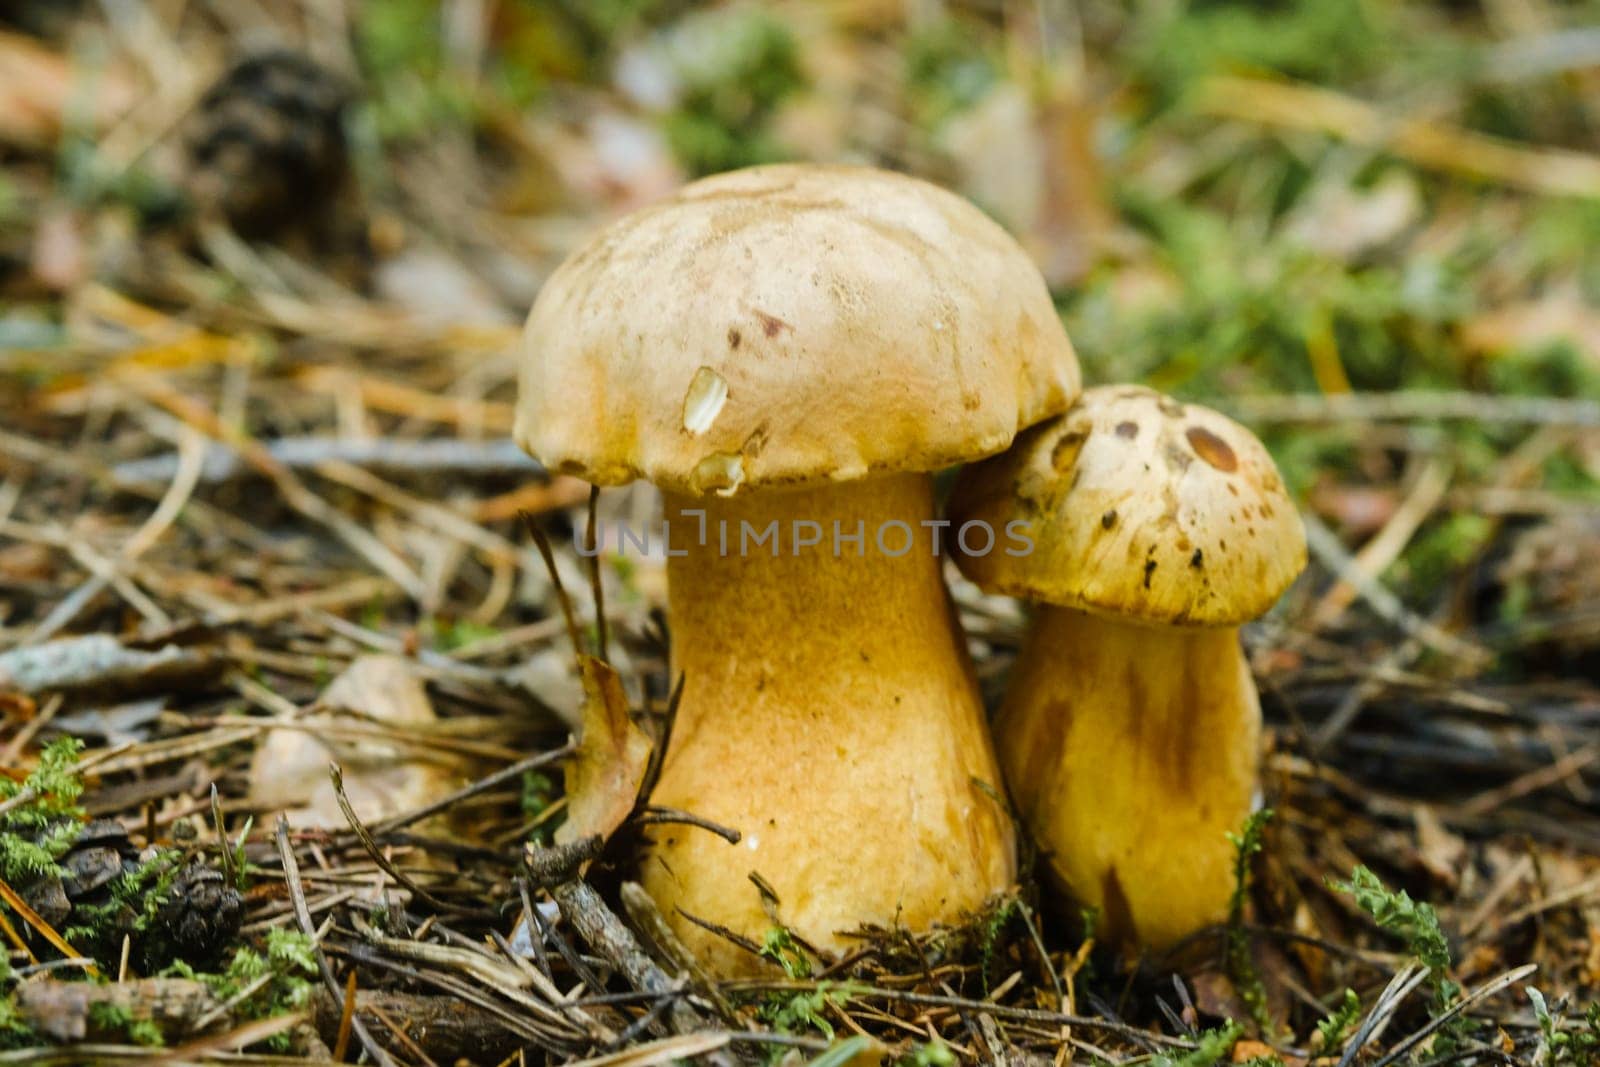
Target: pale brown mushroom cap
(789, 325)
(1139, 507)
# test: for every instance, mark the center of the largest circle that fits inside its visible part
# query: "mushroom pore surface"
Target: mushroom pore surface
(830, 716)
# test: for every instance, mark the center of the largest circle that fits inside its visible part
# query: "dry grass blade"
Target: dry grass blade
(383, 861)
(1477, 996)
(13, 900)
(574, 634)
(297, 896)
(1414, 406)
(1375, 557)
(1428, 144)
(661, 1051)
(1324, 545)
(1402, 985)
(240, 1037)
(596, 586)
(498, 778)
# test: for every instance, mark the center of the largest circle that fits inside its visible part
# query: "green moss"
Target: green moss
(289, 963)
(402, 53)
(1211, 1047)
(14, 1033)
(34, 835)
(1441, 550)
(1241, 967)
(1566, 1047)
(793, 1013)
(538, 793)
(450, 635)
(990, 933)
(928, 1054)
(781, 948)
(1341, 1022)
(108, 1019)
(130, 908)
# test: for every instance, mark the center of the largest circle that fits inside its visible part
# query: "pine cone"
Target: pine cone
(269, 148)
(195, 918)
(100, 853)
(197, 924)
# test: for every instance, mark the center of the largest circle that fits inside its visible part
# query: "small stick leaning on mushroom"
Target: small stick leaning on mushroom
(787, 351)
(1130, 730)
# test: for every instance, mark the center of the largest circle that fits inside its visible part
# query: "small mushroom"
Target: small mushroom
(787, 351)
(1129, 734)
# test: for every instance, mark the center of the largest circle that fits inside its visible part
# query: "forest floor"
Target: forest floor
(259, 512)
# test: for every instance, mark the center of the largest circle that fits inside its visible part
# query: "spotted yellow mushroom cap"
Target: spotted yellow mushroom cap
(1138, 507)
(789, 325)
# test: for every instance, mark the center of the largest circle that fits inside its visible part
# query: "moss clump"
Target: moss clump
(35, 834)
(14, 1033)
(113, 1019)
(285, 970)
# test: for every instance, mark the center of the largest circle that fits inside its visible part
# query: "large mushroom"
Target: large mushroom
(1130, 728)
(788, 351)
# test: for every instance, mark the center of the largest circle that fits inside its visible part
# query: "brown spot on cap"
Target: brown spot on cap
(1065, 453)
(1197, 560)
(1149, 569)
(734, 337)
(1128, 430)
(1211, 448)
(771, 325)
(755, 442)
(1109, 519)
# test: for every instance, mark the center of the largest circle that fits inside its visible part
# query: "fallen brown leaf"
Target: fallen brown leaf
(605, 773)
(381, 778)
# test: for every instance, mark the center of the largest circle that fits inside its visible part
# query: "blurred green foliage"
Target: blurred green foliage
(1237, 299)
(413, 89)
(39, 829)
(948, 69)
(402, 56)
(736, 65)
(264, 984)
(1174, 45)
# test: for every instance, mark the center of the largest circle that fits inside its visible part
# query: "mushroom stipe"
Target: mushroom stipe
(830, 715)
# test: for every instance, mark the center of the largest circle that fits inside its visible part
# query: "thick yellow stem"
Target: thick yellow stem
(829, 715)
(1131, 752)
